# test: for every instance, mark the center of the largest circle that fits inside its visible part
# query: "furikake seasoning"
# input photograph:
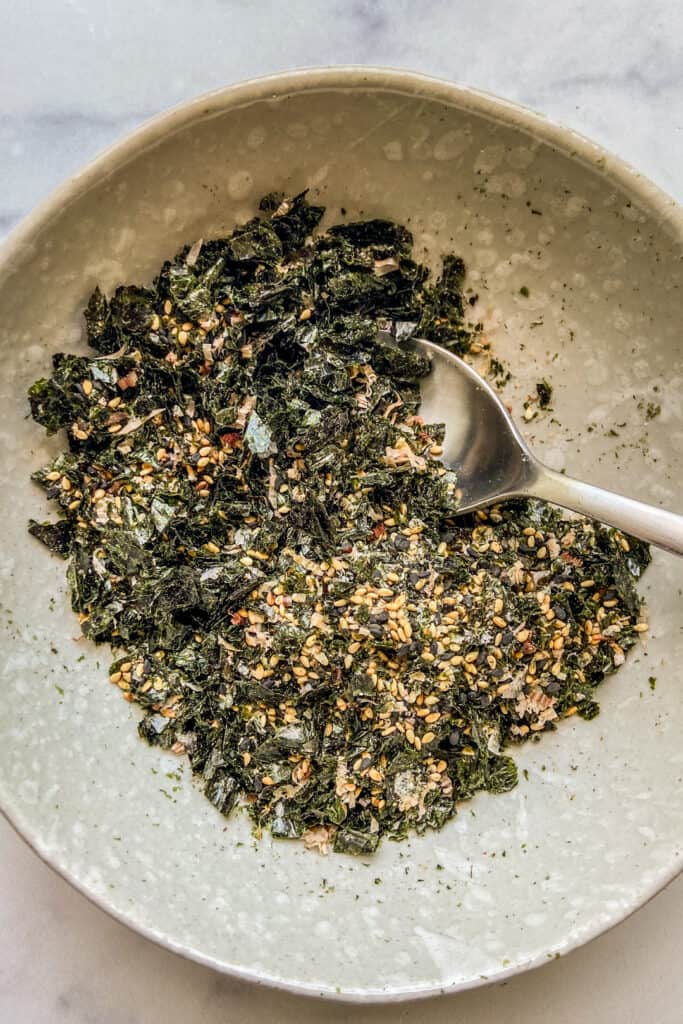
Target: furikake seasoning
(255, 515)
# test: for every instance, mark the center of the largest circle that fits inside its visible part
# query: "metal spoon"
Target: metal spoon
(493, 463)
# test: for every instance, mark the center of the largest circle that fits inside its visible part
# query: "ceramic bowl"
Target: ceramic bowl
(595, 829)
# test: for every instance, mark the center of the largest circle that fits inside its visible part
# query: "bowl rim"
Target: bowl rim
(343, 77)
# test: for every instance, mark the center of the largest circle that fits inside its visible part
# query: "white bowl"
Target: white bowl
(595, 831)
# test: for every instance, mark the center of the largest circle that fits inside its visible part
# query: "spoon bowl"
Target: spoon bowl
(482, 444)
(492, 462)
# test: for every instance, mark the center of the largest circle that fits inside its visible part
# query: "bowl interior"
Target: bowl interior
(595, 829)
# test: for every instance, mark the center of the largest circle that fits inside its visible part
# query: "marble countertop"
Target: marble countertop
(75, 76)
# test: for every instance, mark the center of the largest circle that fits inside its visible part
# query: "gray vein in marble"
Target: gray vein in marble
(613, 73)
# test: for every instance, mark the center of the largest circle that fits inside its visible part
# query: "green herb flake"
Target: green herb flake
(544, 392)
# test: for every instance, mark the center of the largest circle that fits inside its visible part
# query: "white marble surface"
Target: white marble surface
(75, 75)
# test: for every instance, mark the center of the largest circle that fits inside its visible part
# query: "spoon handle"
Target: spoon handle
(655, 525)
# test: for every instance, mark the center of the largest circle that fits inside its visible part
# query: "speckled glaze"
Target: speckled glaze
(596, 828)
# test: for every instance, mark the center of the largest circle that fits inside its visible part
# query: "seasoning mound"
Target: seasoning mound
(256, 516)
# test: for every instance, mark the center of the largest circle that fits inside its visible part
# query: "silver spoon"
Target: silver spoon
(492, 462)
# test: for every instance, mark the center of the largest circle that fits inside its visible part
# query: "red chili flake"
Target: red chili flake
(237, 619)
(232, 440)
(128, 381)
(378, 531)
